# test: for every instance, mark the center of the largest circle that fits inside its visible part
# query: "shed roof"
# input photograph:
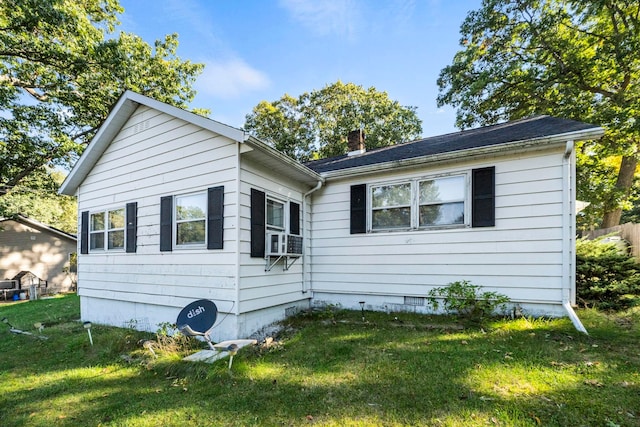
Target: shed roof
(534, 130)
(25, 220)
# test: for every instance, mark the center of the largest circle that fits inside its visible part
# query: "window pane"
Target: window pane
(191, 207)
(97, 221)
(391, 218)
(445, 214)
(96, 241)
(116, 240)
(442, 190)
(116, 219)
(275, 213)
(391, 195)
(190, 233)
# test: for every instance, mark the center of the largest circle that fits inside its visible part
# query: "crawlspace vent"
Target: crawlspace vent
(413, 300)
(290, 311)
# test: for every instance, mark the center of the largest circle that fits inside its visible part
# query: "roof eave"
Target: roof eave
(37, 224)
(535, 143)
(287, 161)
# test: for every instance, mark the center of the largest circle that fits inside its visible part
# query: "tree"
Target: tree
(316, 124)
(572, 58)
(62, 67)
(36, 198)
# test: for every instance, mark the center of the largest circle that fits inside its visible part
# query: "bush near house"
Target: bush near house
(467, 300)
(606, 276)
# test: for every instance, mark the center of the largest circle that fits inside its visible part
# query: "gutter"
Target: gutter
(293, 164)
(305, 236)
(568, 238)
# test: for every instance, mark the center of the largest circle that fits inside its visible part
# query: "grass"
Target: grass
(329, 369)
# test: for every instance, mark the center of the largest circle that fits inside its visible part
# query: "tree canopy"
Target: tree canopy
(62, 67)
(316, 124)
(37, 198)
(570, 58)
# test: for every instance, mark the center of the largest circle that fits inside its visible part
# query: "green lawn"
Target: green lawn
(330, 368)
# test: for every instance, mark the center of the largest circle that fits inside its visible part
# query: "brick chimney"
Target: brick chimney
(355, 142)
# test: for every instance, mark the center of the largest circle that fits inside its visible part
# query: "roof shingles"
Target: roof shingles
(504, 133)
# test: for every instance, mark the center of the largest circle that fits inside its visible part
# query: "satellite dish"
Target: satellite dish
(197, 318)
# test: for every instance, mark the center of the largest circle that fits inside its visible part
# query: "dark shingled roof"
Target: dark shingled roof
(504, 133)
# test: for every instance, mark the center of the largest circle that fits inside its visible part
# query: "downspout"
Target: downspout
(236, 304)
(305, 237)
(569, 233)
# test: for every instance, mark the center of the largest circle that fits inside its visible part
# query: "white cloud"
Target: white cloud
(325, 17)
(230, 79)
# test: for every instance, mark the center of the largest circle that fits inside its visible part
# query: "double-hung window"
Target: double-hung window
(107, 230)
(391, 206)
(275, 215)
(441, 201)
(191, 219)
(419, 203)
(462, 199)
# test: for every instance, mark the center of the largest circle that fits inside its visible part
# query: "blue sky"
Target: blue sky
(258, 50)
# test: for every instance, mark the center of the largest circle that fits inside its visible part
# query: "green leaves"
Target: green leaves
(573, 59)
(606, 275)
(316, 124)
(36, 198)
(61, 70)
(467, 300)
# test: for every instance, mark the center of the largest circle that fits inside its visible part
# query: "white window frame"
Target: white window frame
(415, 203)
(176, 221)
(285, 215)
(106, 230)
(371, 209)
(464, 200)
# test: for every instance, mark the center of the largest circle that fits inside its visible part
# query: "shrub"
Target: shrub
(605, 274)
(465, 299)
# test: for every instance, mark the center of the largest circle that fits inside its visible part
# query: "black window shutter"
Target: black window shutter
(215, 217)
(257, 223)
(84, 232)
(358, 209)
(294, 218)
(483, 208)
(132, 227)
(166, 223)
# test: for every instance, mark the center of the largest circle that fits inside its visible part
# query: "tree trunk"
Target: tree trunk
(623, 184)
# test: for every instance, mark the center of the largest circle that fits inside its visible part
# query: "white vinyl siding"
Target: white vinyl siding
(521, 256)
(260, 289)
(154, 155)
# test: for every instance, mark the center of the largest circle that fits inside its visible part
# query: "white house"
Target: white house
(176, 207)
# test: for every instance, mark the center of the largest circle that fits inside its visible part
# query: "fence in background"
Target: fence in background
(629, 232)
